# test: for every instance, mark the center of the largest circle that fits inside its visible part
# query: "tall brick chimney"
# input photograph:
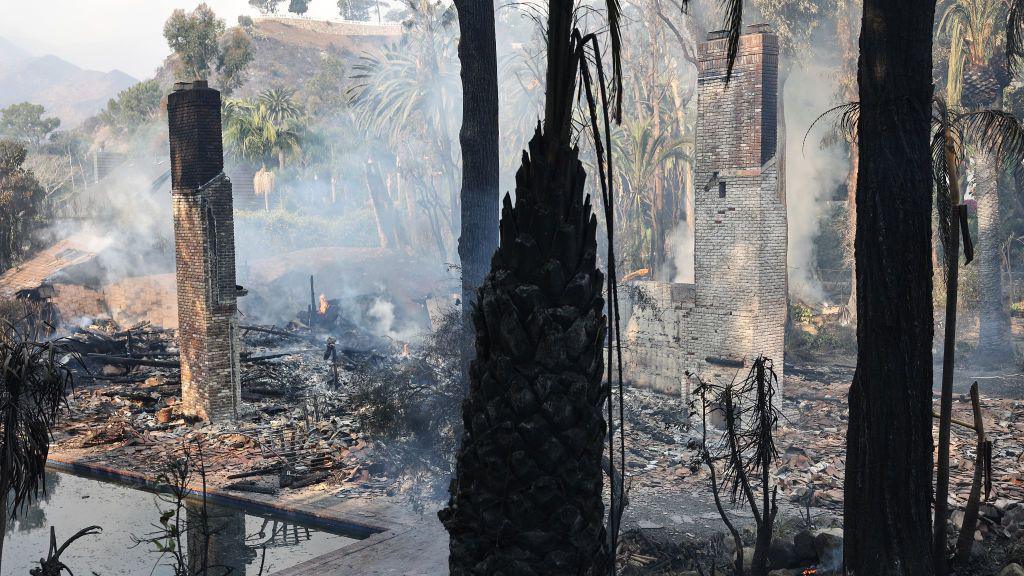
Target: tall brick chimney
(739, 208)
(204, 244)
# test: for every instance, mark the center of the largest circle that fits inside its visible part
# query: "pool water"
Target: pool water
(236, 543)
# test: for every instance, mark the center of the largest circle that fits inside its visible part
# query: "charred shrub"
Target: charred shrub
(410, 407)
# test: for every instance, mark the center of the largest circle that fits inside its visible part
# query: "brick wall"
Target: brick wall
(736, 309)
(152, 298)
(204, 254)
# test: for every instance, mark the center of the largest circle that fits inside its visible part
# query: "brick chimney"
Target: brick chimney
(739, 207)
(204, 243)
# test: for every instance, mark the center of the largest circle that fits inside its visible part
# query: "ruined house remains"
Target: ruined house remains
(204, 245)
(736, 307)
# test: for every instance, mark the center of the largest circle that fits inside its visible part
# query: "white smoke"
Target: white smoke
(812, 173)
(680, 243)
(382, 317)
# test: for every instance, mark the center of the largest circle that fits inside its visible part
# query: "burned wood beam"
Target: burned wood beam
(955, 421)
(110, 359)
(272, 356)
(273, 331)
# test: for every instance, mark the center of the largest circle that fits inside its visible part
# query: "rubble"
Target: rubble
(297, 432)
(125, 412)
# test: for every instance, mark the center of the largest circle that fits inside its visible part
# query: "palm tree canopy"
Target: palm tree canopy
(997, 132)
(33, 385)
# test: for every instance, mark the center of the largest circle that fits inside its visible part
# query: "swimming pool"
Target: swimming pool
(235, 541)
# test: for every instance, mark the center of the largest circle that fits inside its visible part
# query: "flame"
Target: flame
(809, 571)
(324, 305)
(405, 349)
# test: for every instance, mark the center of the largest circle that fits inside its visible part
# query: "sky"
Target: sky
(112, 34)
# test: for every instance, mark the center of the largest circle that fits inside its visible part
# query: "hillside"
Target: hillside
(67, 91)
(289, 51)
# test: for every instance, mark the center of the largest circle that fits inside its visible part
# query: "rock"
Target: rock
(828, 544)
(1012, 570)
(164, 415)
(957, 518)
(780, 554)
(748, 558)
(803, 547)
(1013, 517)
(989, 511)
(978, 552)
(729, 546)
(1002, 504)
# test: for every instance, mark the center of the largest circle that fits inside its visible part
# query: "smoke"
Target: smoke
(130, 227)
(812, 173)
(382, 315)
(680, 244)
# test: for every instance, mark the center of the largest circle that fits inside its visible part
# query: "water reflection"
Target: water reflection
(238, 544)
(33, 517)
(216, 540)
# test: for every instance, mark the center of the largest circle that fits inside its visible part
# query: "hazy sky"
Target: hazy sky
(107, 34)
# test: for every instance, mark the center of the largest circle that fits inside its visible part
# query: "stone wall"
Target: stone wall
(204, 255)
(736, 308)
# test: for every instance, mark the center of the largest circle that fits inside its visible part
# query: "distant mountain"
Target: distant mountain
(67, 91)
(9, 52)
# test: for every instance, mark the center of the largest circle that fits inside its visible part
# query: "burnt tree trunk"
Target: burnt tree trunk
(526, 498)
(480, 169)
(888, 483)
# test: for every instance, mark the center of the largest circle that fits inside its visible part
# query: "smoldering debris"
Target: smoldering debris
(293, 432)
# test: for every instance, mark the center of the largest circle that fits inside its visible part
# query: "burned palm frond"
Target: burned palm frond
(843, 125)
(745, 450)
(33, 387)
(1015, 35)
(52, 566)
(734, 25)
(943, 204)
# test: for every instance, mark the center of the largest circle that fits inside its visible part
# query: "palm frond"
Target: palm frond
(844, 119)
(1000, 132)
(734, 25)
(614, 31)
(943, 206)
(1015, 35)
(33, 385)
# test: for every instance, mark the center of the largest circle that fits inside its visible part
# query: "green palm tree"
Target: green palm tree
(408, 96)
(33, 385)
(640, 152)
(264, 127)
(976, 78)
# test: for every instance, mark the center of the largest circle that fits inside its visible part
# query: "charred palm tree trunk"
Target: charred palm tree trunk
(889, 442)
(527, 493)
(952, 235)
(994, 319)
(479, 140)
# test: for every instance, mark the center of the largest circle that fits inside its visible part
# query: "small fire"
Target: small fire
(405, 349)
(810, 571)
(324, 305)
